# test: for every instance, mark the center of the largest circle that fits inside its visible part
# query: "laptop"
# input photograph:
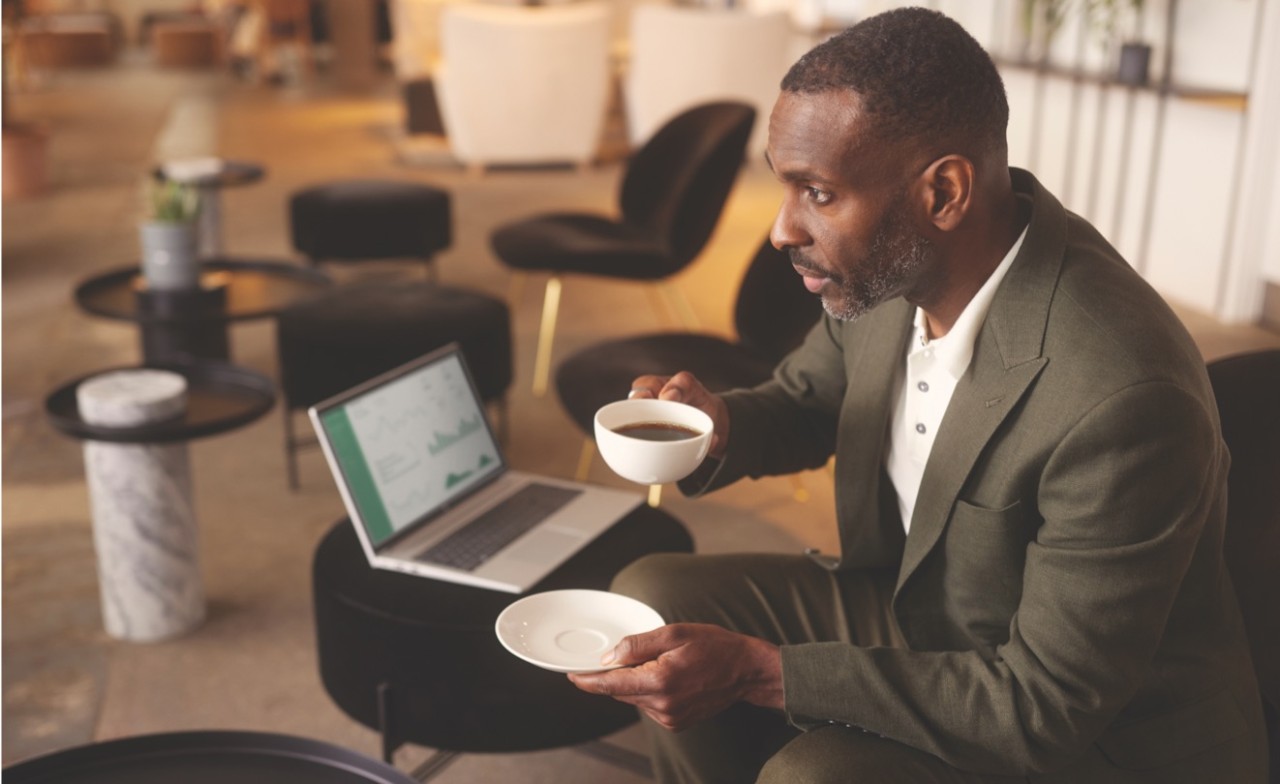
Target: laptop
(430, 493)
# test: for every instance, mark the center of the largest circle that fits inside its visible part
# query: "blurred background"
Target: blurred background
(1156, 120)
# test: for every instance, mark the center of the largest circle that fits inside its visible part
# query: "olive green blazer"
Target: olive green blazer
(1062, 589)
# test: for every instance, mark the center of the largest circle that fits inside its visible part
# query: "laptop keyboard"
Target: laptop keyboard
(476, 542)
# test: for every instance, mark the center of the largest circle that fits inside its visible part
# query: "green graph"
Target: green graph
(442, 441)
(453, 479)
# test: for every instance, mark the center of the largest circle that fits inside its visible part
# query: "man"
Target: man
(1030, 478)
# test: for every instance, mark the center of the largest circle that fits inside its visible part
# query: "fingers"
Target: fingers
(623, 684)
(647, 387)
(640, 648)
(683, 388)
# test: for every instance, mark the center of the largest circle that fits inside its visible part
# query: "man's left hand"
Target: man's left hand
(683, 673)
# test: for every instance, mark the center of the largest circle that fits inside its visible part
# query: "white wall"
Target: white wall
(1188, 189)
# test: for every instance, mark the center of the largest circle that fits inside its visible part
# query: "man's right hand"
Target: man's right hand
(683, 387)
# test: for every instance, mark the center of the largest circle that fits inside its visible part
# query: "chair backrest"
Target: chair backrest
(774, 310)
(677, 184)
(684, 55)
(1247, 388)
(415, 45)
(524, 84)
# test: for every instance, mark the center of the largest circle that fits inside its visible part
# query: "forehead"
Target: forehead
(822, 135)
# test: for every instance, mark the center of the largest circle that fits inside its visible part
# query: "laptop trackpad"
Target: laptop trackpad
(546, 545)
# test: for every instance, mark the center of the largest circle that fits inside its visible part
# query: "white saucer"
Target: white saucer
(568, 631)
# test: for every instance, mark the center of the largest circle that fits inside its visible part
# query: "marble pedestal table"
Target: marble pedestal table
(144, 524)
(136, 423)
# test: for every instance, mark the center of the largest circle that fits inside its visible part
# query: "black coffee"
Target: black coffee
(657, 431)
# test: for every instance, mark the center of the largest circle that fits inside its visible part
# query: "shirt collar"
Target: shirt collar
(954, 350)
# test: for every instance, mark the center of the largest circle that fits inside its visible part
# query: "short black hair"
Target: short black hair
(920, 77)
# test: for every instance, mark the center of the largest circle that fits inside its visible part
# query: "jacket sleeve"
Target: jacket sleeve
(1122, 501)
(786, 424)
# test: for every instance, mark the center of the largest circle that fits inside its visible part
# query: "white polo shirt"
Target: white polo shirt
(933, 369)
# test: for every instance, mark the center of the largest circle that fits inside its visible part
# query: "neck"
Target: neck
(972, 256)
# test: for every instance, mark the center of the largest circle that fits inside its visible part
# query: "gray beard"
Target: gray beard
(894, 261)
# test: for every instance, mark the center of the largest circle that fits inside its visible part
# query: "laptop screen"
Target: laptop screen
(411, 444)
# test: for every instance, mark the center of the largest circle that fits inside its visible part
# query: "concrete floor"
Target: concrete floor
(252, 664)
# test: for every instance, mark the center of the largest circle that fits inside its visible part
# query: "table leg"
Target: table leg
(163, 342)
(144, 523)
(210, 229)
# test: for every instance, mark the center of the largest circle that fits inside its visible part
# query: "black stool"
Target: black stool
(352, 333)
(417, 659)
(354, 220)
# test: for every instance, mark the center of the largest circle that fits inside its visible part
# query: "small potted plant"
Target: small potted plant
(1040, 21)
(1111, 18)
(169, 237)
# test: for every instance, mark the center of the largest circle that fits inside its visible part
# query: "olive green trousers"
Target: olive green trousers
(786, 599)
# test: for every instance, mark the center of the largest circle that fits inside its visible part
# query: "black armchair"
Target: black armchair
(772, 315)
(1247, 388)
(673, 192)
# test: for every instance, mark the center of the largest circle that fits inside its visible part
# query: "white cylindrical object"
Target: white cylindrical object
(144, 524)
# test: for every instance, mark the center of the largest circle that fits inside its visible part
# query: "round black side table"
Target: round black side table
(205, 757)
(220, 397)
(417, 659)
(179, 324)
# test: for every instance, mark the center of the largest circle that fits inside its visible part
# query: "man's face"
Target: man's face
(846, 215)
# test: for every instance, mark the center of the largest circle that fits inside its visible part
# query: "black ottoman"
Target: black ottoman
(354, 220)
(352, 333)
(418, 660)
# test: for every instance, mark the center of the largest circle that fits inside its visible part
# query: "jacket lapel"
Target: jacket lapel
(864, 421)
(1007, 358)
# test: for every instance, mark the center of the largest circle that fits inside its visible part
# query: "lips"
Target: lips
(813, 281)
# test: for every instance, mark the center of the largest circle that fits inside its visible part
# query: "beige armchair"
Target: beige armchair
(682, 56)
(522, 84)
(415, 45)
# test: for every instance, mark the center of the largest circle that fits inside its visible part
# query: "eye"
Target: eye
(817, 195)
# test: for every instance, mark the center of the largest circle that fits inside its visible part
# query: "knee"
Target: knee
(660, 580)
(843, 755)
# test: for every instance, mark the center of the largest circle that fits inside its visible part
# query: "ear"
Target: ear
(947, 191)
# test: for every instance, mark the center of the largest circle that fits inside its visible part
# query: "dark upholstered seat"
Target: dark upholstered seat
(417, 660)
(337, 340)
(773, 313)
(1247, 388)
(354, 220)
(672, 195)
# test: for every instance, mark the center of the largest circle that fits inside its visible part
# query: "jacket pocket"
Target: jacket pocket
(984, 552)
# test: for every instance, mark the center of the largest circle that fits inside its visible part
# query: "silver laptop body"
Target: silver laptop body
(416, 462)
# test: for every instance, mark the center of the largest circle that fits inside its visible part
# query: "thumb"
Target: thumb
(637, 649)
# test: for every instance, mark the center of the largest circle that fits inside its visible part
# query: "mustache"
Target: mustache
(802, 264)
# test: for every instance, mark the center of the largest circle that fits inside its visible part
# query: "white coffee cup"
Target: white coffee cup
(647, 461)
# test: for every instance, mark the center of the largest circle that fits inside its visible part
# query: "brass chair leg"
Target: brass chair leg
(655, 495)
(585, 457)
(661, 305)
(680, 304)
(546, 334)
(798, 490)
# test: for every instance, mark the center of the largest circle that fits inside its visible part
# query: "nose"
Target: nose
(786, 231)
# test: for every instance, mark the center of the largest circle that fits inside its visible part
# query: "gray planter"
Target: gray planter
(169, 257)
(1135, 64)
